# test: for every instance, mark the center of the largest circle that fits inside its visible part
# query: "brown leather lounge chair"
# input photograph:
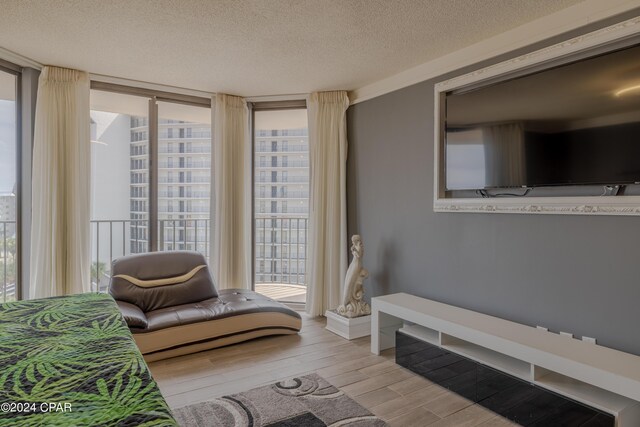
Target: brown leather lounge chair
(172, 307)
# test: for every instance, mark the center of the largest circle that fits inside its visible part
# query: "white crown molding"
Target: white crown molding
(609, 205)
(19, 60)
(532, 32)
(612, 33)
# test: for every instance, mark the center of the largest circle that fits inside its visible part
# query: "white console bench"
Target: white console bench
(606, 379)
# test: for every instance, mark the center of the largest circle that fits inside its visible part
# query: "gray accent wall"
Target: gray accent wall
(578, 274)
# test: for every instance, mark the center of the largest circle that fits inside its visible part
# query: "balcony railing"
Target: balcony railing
(287, 195)
(283, 132)
(283, 164)
(186, 195)
(280, 250)
(137, 150)
(186, 150)
(268, 210)
(187, 210)
(8, 258)
(282, 179)
(176, 135)
(111, 239)
(186, 165)
(184, 234)
(283, 149)
(280, 246)
(165, 179)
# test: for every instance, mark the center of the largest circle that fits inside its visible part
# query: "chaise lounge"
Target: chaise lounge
(172, 307)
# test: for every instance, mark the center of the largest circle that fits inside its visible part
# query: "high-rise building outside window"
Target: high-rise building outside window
(122, 198)
(119, 180)
(191, 229)
(281, 213)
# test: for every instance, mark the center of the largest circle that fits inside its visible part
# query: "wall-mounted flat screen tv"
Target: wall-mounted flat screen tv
(578, 123)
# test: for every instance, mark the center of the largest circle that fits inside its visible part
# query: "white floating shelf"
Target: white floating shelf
(582, 392)
(488, 357)
(422, 333)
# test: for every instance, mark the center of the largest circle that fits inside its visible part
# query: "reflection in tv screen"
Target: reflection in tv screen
(578, 123)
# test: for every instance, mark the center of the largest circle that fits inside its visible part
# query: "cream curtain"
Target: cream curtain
(231, 199)
(60, 239)
(327, 257)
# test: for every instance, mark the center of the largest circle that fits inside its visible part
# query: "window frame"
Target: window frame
(154, 96)
(16, 70)
(254, 108)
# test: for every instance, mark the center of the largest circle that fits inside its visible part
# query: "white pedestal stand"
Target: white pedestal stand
(349, 328)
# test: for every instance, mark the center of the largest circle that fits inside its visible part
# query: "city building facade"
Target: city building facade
(121, 199)
(281, 194)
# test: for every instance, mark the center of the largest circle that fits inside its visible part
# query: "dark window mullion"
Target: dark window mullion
(19, 224)
(153, 175)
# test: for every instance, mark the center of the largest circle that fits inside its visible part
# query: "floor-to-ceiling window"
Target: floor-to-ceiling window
(8, 186)
(281, 202)
(184, 174)
(150, 176)
(119, 180)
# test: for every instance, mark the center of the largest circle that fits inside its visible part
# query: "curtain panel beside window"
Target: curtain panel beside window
(328, 201)
(60, 254)
(231, 198)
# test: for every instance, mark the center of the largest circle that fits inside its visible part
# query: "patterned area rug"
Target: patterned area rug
(308, 401)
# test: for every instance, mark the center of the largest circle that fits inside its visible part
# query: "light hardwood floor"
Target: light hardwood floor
(283, 292)
(395, 394)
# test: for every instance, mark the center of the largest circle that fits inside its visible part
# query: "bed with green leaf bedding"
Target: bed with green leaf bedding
(71, 361)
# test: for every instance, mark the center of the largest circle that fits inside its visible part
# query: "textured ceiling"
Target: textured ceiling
(255, 47)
